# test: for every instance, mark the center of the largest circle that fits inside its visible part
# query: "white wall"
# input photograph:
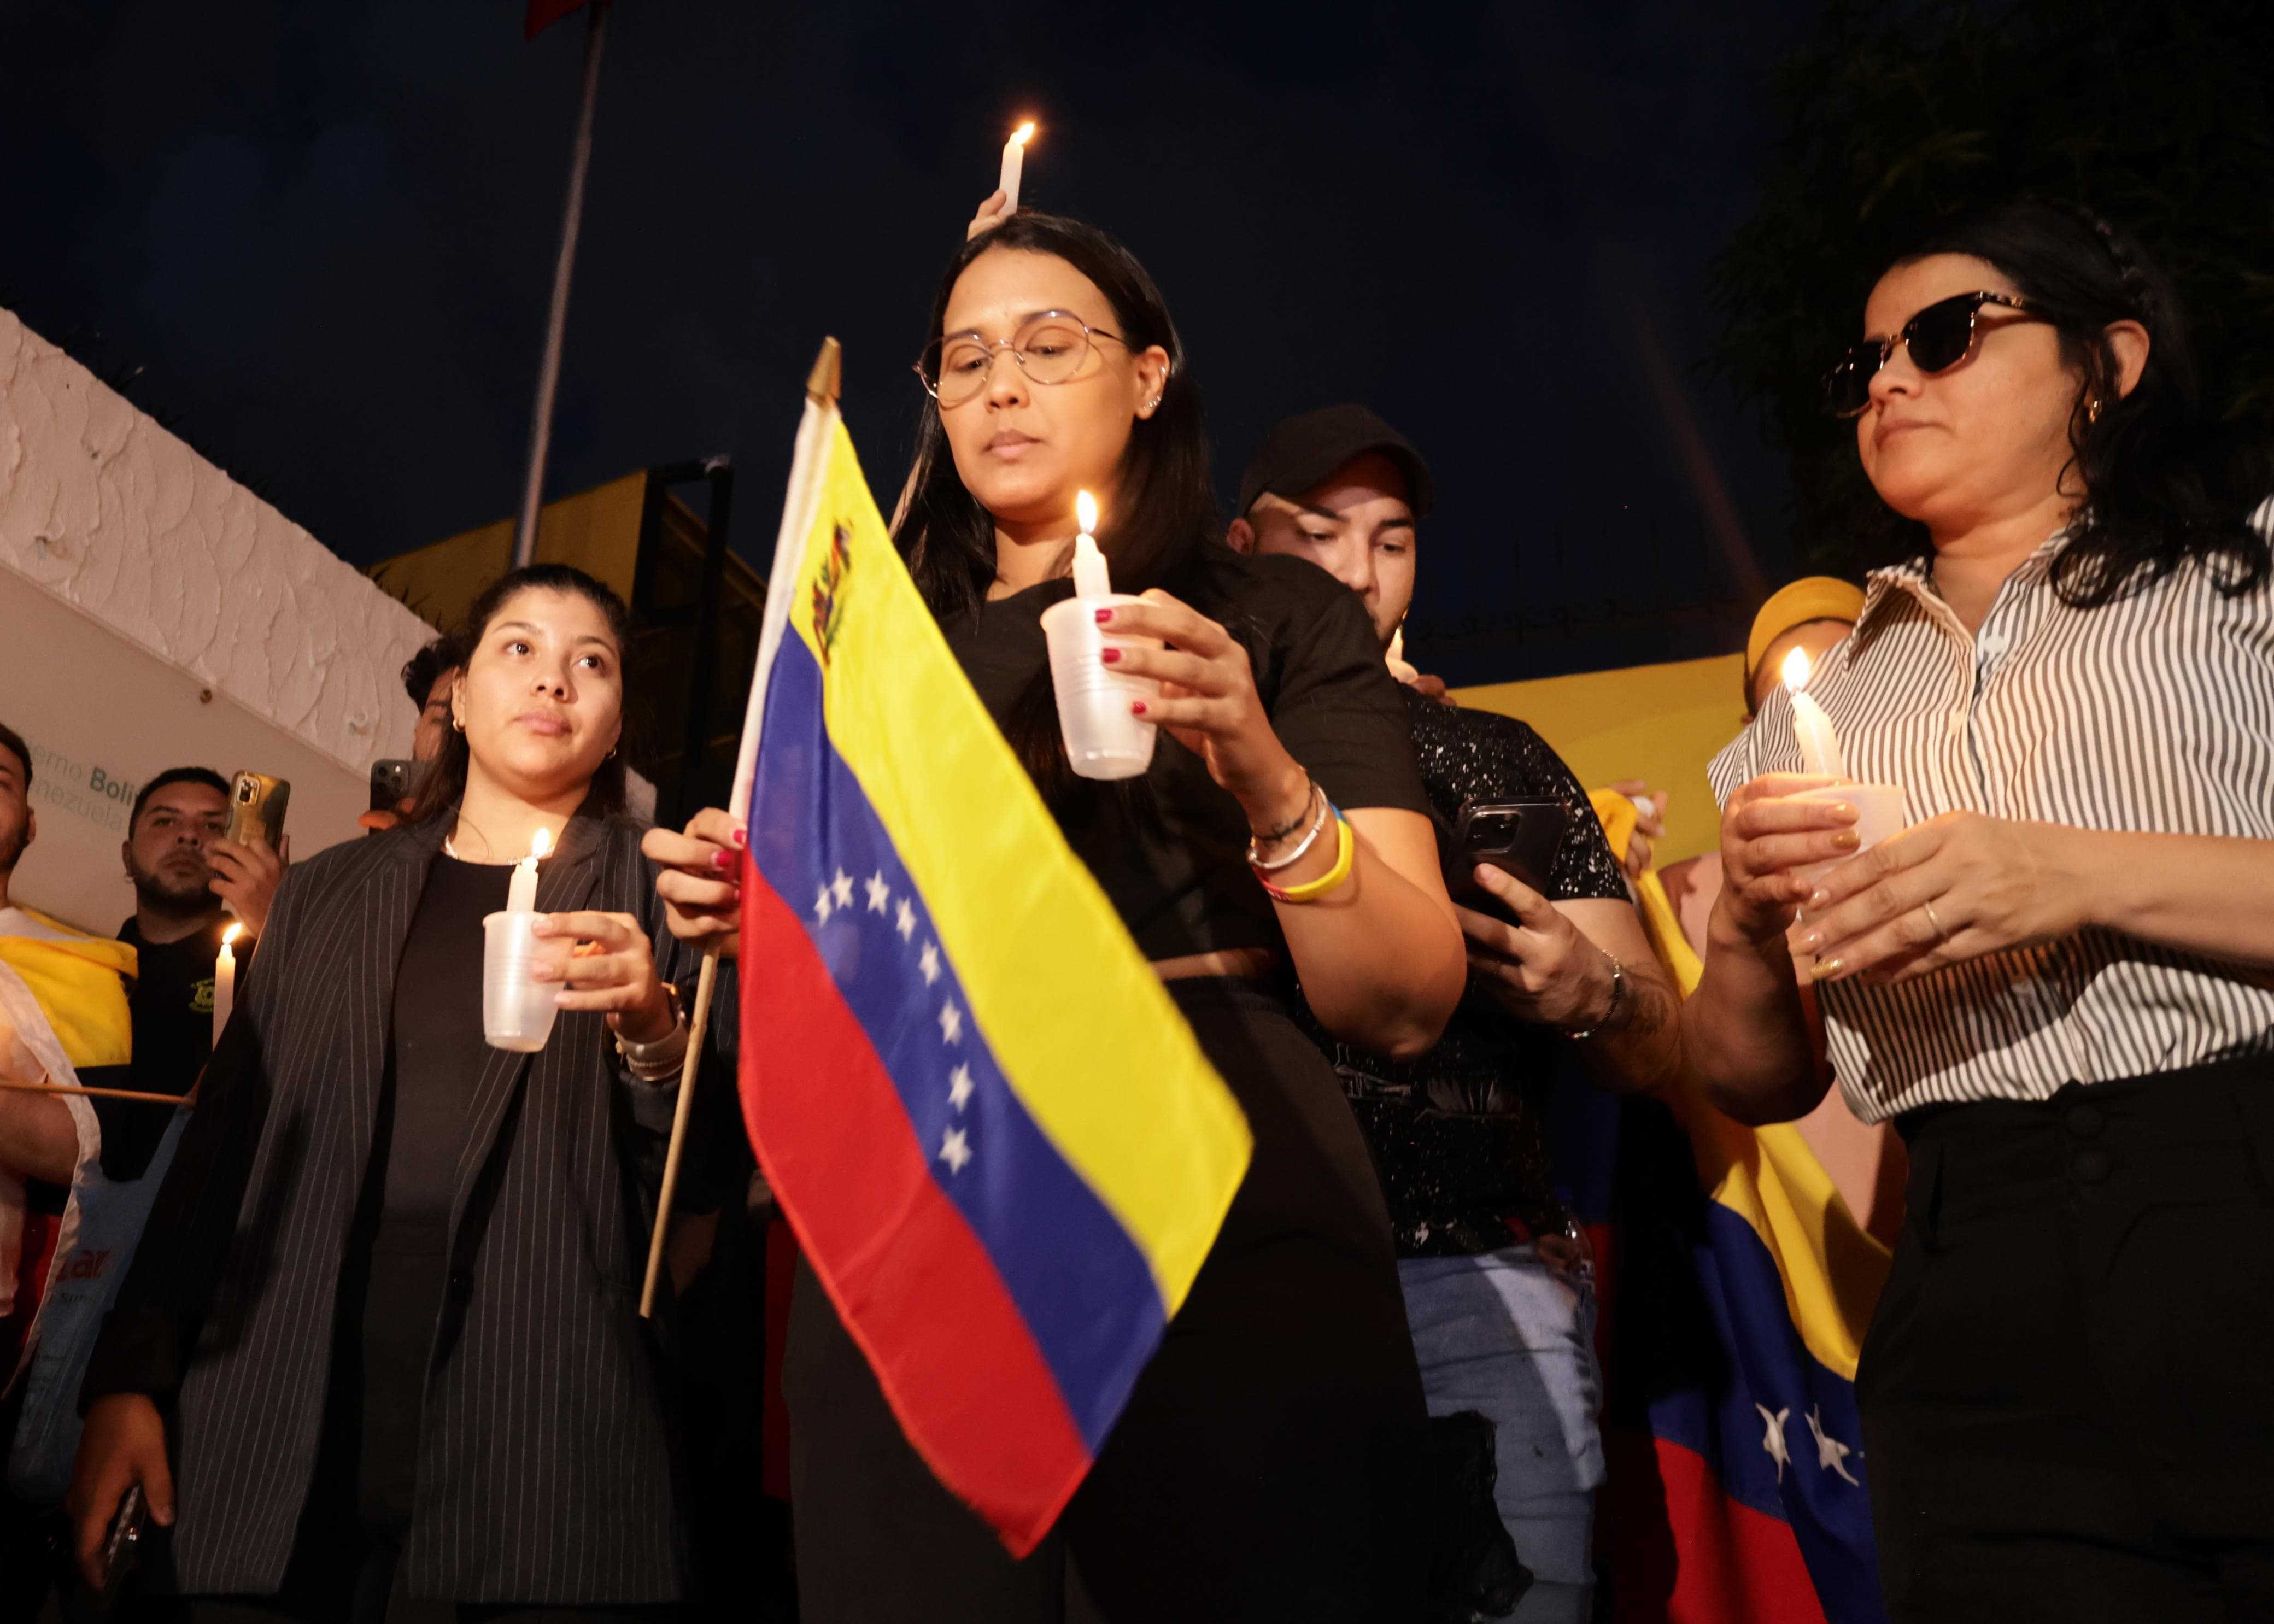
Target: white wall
(153, 613)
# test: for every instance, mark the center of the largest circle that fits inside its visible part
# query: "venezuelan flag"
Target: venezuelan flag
(1752, 1504)
(998, 1143)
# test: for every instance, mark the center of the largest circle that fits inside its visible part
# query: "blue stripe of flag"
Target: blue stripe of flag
(1085, 1290)
(1831, 1518)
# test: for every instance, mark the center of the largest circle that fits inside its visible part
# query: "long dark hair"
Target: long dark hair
(1166, 500)
(445, 784)
(2158, 490)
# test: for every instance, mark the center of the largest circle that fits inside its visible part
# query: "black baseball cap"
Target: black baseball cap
(1303, 452)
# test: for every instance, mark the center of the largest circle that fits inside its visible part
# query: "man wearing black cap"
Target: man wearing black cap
(1498, 1289)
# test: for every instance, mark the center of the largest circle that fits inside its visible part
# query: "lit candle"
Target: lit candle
(1015, 163)
(1090, 579)
(225, 979)
(520, 895)
(1819, 745)
(1395, 658)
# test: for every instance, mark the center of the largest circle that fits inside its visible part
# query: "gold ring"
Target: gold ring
(1940, 934)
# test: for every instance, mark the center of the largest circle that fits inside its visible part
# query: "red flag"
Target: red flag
(544, 13)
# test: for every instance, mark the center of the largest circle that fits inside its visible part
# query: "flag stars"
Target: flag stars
(879, 893)
(904, 921)
(951, 1023)
(928, 961)
(959, 1087)
(955, 1150)
(822, 906)
(841, 888)
(1830, 1453)
(1772, 1440)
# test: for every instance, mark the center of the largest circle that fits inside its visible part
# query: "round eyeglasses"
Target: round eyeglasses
(1051, 346)
(1937, 338)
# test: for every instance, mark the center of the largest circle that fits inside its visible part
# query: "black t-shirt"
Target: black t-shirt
(1173, 856)
(435, 1055)
(171, 1003)
(1458, 1135)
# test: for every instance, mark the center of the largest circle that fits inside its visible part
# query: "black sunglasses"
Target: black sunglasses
(1937, 338)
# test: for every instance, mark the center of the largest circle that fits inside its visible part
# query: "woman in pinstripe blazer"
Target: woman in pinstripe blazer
(385, 1311)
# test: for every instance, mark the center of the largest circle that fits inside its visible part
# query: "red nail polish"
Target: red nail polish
(742, 835)
(1105, 616)
(1110, 656)
(1136, 707)
(723, 861)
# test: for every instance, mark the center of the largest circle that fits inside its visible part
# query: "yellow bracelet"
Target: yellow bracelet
(1311, 891)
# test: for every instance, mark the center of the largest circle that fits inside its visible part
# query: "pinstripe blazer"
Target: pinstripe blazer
(546, 1468)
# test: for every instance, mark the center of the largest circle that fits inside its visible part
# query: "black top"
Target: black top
(1458, 1135)
(171, 1003)
(1173, 856)
(398, 1265)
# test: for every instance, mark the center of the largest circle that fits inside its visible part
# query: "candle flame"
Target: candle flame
(1084, 512)
(1024, 133)
(231, 935)
(539, 843)
(1796, 671)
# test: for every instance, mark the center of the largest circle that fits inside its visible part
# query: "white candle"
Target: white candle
(1015, 163)
(225, 981)
(520, 895)
(1819, 745)
(1090, 578)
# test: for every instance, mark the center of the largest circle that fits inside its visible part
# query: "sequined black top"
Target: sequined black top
(1458, 1135)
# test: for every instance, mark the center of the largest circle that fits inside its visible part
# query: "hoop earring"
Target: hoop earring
(611, 752)
(2092, 409)
(458, 724)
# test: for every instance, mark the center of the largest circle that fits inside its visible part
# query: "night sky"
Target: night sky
(319, 238)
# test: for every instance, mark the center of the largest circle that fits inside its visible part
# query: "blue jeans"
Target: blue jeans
(1512, 1336)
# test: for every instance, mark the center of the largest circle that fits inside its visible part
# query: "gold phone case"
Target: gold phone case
(256, 807)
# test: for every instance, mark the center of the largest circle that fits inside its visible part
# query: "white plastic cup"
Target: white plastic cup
(517, 1010)
(1103, 740)
(1879, 814)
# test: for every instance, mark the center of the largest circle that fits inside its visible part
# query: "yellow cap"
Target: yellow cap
(1811, 597)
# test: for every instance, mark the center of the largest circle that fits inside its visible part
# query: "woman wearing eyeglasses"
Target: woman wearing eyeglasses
(2059, 982)
(1264, 1466)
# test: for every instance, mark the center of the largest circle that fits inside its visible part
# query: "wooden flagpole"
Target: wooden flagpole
(823, 386)
(95, 1093)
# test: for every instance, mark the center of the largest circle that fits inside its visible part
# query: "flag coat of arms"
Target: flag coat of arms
(1001, 1147)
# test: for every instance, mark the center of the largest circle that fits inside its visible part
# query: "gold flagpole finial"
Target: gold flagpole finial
(827, 382)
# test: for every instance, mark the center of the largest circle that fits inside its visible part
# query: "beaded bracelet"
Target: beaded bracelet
(1311, 891)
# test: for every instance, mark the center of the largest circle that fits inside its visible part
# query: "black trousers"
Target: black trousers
(2067, 1392)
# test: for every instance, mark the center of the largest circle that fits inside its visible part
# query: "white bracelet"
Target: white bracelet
(1318, 822)
(654, 1061)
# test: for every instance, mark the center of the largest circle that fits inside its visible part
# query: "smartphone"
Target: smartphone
(1518, 838)
(393, 781)
(122, 1547)
(256, 807)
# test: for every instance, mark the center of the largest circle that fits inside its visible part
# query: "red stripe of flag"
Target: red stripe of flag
(950, 1349)
(1687, 1554)
(542, 14)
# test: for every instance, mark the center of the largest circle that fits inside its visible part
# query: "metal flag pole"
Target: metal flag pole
(556, 325)
(807, 472)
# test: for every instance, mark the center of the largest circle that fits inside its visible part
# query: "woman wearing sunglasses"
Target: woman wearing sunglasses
(2058, 981)
(1265, 1466)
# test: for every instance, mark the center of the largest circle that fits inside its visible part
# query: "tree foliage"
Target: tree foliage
(2158, 114)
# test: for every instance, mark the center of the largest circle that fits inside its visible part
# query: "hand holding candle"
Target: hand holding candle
(225, 979)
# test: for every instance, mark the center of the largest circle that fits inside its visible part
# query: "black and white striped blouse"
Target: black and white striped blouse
(2153, 713)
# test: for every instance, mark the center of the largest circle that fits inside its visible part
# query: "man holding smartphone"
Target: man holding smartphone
(1498, 1288)
(183, 868)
